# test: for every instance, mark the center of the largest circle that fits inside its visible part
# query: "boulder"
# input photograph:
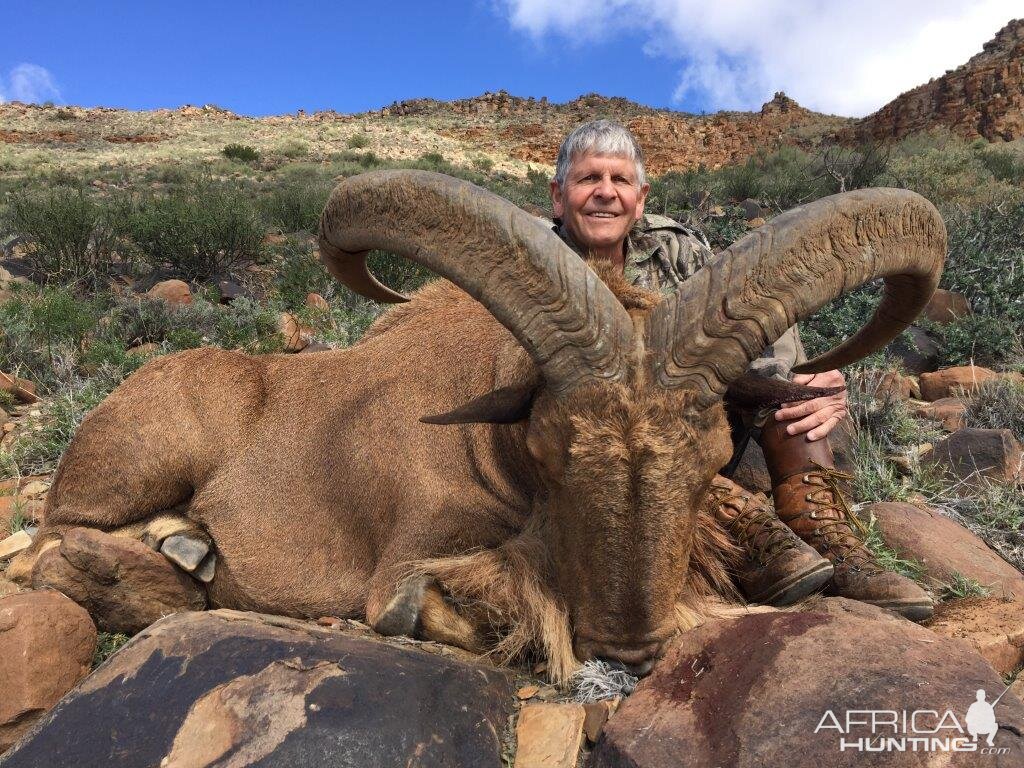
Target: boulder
(946, 306)
(241, 689)
(952, 382)
(124, 584)
(969, 452)
(46, 646)
(751, 209)
(948, 411)
(994, 626)
(945, 548)
(174, 292)
(916, 350)
(776, 688)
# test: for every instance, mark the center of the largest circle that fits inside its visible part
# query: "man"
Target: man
(598, 196)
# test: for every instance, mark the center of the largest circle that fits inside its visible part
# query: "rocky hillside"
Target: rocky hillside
(983, 98)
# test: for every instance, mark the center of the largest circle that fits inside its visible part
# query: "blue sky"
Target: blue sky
(262, 57)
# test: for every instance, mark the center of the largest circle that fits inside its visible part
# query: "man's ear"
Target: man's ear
(556, 199)
(501, 406)
(641, 200)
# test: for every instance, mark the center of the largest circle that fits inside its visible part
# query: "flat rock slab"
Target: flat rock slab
(124, 584)
(752, 691)
(241, 689)
(945, 548)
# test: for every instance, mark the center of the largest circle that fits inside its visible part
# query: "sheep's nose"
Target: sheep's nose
(636, 659)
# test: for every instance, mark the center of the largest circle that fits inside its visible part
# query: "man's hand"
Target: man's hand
(815, 417)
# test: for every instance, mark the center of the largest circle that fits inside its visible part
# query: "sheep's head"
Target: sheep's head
(626, 424)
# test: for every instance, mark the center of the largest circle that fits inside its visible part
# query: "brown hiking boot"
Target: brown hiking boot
(778, 568)
(809, 499)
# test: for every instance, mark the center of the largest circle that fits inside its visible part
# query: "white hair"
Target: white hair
(599, 137)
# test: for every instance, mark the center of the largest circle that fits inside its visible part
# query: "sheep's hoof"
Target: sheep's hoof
(204, 571)
(402, 614)
(185, 550)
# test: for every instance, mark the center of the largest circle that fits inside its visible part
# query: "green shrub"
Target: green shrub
(201, 230)
(72, 238)
(1003, 164)
(241, 152)
(296, 207)
(989, 340)
(483, 164)
(299, 274)
(358, 141)
(107, 644)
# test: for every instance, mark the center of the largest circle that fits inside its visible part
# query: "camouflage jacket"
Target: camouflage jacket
(661, 253)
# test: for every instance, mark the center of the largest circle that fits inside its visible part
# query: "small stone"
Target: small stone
(24, 391)
(145, 350)
(14, 544)
(949, 411)
(174, 292)
(229, 291)
(597, 714)
(34, 489)
(946, 306)
(755, 222)
(316, 301)
(888, 385)
(527, 691)
(918, 354)
(751, 209)
(333, 622)
(549, 735)
(185, 550)
(952, 382)
(295, 335)
(968, 453)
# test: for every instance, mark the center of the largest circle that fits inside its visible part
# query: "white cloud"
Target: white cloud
(29, 83)
(847, 57)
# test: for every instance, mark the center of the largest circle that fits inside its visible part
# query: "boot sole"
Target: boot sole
(798, 587)
(913, 609)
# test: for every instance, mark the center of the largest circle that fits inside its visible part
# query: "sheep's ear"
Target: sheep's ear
(501, 406)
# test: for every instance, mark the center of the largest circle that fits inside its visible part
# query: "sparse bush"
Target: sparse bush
(997, 404)
(1003, 164)
(72, 238)
(960, 587)
(243, 153)
(293, 149)
(483, 164)
(201, 230)
(107, 644)
(434, 161)
(358, 141)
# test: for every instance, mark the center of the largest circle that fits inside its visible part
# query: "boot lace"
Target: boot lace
(756, 528)
(841, 529)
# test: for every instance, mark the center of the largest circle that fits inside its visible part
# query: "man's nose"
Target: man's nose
(605, 188)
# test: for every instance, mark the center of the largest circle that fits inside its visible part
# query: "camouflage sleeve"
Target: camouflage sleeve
(778, 359)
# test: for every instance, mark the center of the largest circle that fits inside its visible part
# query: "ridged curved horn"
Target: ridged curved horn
(569, 322)
(723, 317)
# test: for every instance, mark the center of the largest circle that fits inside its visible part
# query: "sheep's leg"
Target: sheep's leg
(179, 539)
(418, 609)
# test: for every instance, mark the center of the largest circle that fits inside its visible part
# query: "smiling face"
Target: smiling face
(599, 202)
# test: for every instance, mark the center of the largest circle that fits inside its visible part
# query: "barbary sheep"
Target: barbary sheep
(517, 458)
